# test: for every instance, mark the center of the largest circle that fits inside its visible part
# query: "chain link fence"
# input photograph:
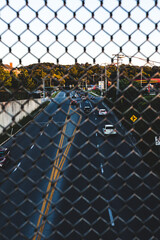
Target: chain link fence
(79, 119)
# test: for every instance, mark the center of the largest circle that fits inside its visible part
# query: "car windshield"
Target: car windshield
(108, 127)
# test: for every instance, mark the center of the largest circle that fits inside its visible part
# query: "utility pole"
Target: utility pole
(43, 89)
(118, 57)
(86, 83)
(105, 83)
(101, 84)
(141, 75)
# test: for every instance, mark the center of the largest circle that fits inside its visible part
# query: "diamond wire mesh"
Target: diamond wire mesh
(64, 178)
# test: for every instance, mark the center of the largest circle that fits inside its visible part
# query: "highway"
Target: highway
(69, 181)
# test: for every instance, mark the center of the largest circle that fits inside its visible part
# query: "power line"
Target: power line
(143, 59)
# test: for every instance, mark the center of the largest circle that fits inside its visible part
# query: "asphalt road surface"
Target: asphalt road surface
(66, 180)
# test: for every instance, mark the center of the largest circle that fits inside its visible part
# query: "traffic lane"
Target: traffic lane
(23, 138)
(24, 141)
(128, 186)
(129, 182)
(119, 195)
(137, 199)
(90, 150)
(108, 192)
(28, 166)
(102, 150)
(41, 124)
(123, 158)
(83, 198)
(55, 107)
(70, 132)
(79, 178)
(46, 142)
(94, 116)
(61, 95)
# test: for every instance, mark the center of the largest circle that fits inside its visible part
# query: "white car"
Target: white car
(83, 97)
(4, 152)
(102, 112)
(109, 129)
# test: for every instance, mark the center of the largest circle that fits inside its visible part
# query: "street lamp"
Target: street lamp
(118, 56)
(105, 79)
(43, 89)
(141, 74)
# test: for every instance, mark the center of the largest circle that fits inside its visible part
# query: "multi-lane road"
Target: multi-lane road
(66, 180)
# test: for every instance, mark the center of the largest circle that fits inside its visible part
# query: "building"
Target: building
(10, 68)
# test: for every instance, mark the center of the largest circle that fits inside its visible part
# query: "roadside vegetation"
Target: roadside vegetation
(27, 80)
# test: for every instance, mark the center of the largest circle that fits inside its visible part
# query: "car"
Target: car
(87, 109)
(109, 129)
(74, 102)
(83, 97)
(102, 112)
(92, 97)
(4, 152)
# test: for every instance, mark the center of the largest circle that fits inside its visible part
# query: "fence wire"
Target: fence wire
(79, 120)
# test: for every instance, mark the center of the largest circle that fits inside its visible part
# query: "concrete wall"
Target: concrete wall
(12, 112)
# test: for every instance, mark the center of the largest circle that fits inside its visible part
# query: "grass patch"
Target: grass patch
(55, 94)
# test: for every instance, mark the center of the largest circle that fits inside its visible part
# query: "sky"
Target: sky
(61, 31)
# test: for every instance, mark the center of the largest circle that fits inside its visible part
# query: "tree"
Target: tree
(15, 81)
(38, 75)
(26, 80)
(5, 78)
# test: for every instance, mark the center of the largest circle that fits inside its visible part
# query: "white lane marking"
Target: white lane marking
(47, 124)
(96, 134)
(111, 217)
(97, 145)
(95, 118)
(17, 167)
(41, 133)
(32, 146)
(102, 170)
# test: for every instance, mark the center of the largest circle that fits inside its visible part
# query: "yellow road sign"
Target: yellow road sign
(133, 118)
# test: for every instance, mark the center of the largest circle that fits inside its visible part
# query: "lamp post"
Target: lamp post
(43, 89)
(105, 81)
(141, 74)
(118, 57)
(105, 77)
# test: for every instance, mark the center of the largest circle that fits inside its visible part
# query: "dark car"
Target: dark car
(4, 152)
(74, 102)
(92, 97)
(87, 109)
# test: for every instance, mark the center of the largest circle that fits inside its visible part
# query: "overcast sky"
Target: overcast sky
(90, 32)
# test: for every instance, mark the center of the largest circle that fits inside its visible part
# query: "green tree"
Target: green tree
(26, 80)
(5, 78)
(15, 81)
